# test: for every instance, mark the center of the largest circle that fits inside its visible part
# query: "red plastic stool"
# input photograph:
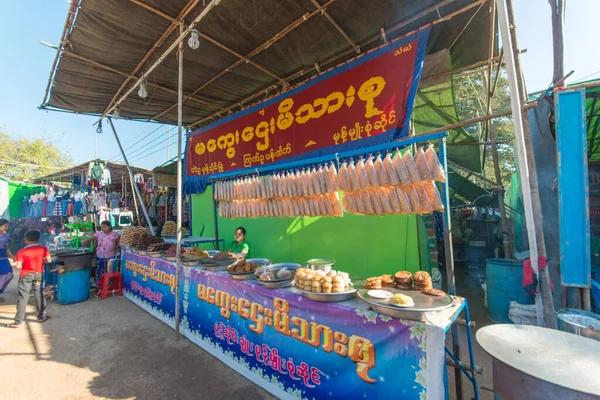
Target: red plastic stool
(117, 280)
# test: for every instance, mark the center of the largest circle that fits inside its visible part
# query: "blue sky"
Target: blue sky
(25, 67)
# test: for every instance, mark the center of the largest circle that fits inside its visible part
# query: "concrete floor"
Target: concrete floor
(108, 349)
(112, 349)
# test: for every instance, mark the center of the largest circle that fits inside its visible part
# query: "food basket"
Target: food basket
(275, 280)
(329, 297)
(423, 304)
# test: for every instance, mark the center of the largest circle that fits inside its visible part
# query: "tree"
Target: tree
(23, 159)
(471, 102)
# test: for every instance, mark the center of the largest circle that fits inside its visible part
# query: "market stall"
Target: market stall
(290, 345)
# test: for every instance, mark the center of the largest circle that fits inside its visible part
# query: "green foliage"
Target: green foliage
(23, 159)
(471, 102)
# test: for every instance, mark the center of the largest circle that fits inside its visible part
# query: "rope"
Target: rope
(466, 26)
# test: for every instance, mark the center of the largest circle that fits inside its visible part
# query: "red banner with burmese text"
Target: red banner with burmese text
(365, 102)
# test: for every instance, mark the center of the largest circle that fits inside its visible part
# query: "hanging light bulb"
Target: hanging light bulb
(116, 114)
(142, 92)
(99, 128)
(193, 41)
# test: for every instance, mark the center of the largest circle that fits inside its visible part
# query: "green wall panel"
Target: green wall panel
(361, 245)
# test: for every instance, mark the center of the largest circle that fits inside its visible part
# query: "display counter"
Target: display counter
(291, 346)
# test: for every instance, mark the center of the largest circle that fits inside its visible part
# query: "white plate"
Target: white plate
(379, 294)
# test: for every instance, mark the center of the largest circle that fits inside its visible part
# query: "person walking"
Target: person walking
(6, 271)
(30, 260)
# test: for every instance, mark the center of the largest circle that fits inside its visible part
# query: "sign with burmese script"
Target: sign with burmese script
(365, 102)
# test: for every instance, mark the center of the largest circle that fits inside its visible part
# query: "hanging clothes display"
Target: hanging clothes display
(106, 178)
(100, 199)
(114, 200)
(71, 204)
(77, 198)
(51, 201)
(25, 207)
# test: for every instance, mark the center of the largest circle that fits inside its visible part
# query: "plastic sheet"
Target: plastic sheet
(401, 170)
(353, 176)
(422, 165)
(434, 196)
(384, 198)
(381, 172)
(411, 166)
(388, 165)
(435, 166)
(343, 178)
(362, 175)
(372, 173)
(423, 199)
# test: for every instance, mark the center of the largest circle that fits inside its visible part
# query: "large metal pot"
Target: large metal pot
(581, 323)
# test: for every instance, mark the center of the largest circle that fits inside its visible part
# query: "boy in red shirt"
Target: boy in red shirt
(30, 260)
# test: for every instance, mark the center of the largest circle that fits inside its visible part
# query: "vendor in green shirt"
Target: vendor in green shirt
(240, 245)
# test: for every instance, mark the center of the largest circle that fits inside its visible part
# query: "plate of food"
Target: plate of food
(401, 300)
(276, 276)
(380, 294)
(320, 286)
(243, 270)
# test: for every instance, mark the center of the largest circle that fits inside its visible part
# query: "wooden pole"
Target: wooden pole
(538, 223)
(179, 181)
(558, 38)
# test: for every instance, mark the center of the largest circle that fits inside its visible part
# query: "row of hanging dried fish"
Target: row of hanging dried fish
(420, 198)
(313, 206)
(305, 183)
(401, 170)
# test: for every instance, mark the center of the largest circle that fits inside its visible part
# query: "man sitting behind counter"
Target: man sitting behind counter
(240, 245)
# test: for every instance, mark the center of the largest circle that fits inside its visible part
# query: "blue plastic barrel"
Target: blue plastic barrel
(73, 286)
(504, 284)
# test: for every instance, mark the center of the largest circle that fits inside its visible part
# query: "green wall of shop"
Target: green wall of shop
(361, 245)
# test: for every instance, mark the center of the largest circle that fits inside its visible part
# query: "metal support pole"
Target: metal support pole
(135, 188)
(179, 179)
(216, 216)
(515, 101)
(449, 256)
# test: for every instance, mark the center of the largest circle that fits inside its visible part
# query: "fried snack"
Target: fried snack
(422, 281)
(197, 252)
(387, 280)
(404, 280)
(374, 282)
(434, 292)
(411, 166)
(402, 300)
(242, 267)
(437, 171)
(422, 165)
(169, 228)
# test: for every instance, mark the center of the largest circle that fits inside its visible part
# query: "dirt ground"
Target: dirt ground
(112, 349)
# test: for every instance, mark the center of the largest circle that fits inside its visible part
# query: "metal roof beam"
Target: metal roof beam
(335, 24)
(116, 71)
(174, 24)
(254, 52)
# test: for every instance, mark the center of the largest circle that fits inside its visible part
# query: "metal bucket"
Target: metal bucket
(581, 323)
(504, 284)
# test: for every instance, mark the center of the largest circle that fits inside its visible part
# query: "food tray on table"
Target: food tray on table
(212, 265)
(155, 254)
(190, 263)
(423, 304)
(142, 252)
(329, 297)
(170, 258)
(243, 270)
(272, 272)
(183, 236)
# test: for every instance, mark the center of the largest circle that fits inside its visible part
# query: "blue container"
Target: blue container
(49, 277)
(73, 286)
(504, 284)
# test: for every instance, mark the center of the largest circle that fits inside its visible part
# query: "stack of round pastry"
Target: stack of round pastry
(373, 282)
(404, 280)
(422, 281)
(130, 233)
(321, 282)
(387, 280)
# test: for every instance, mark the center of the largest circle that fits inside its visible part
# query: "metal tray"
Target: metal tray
(155, 254)
(170, 258)
(213, 267)
(261, 261)
(423, 304)
(242, 277)
(276, 284)
(275, 268)
(328, 297)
